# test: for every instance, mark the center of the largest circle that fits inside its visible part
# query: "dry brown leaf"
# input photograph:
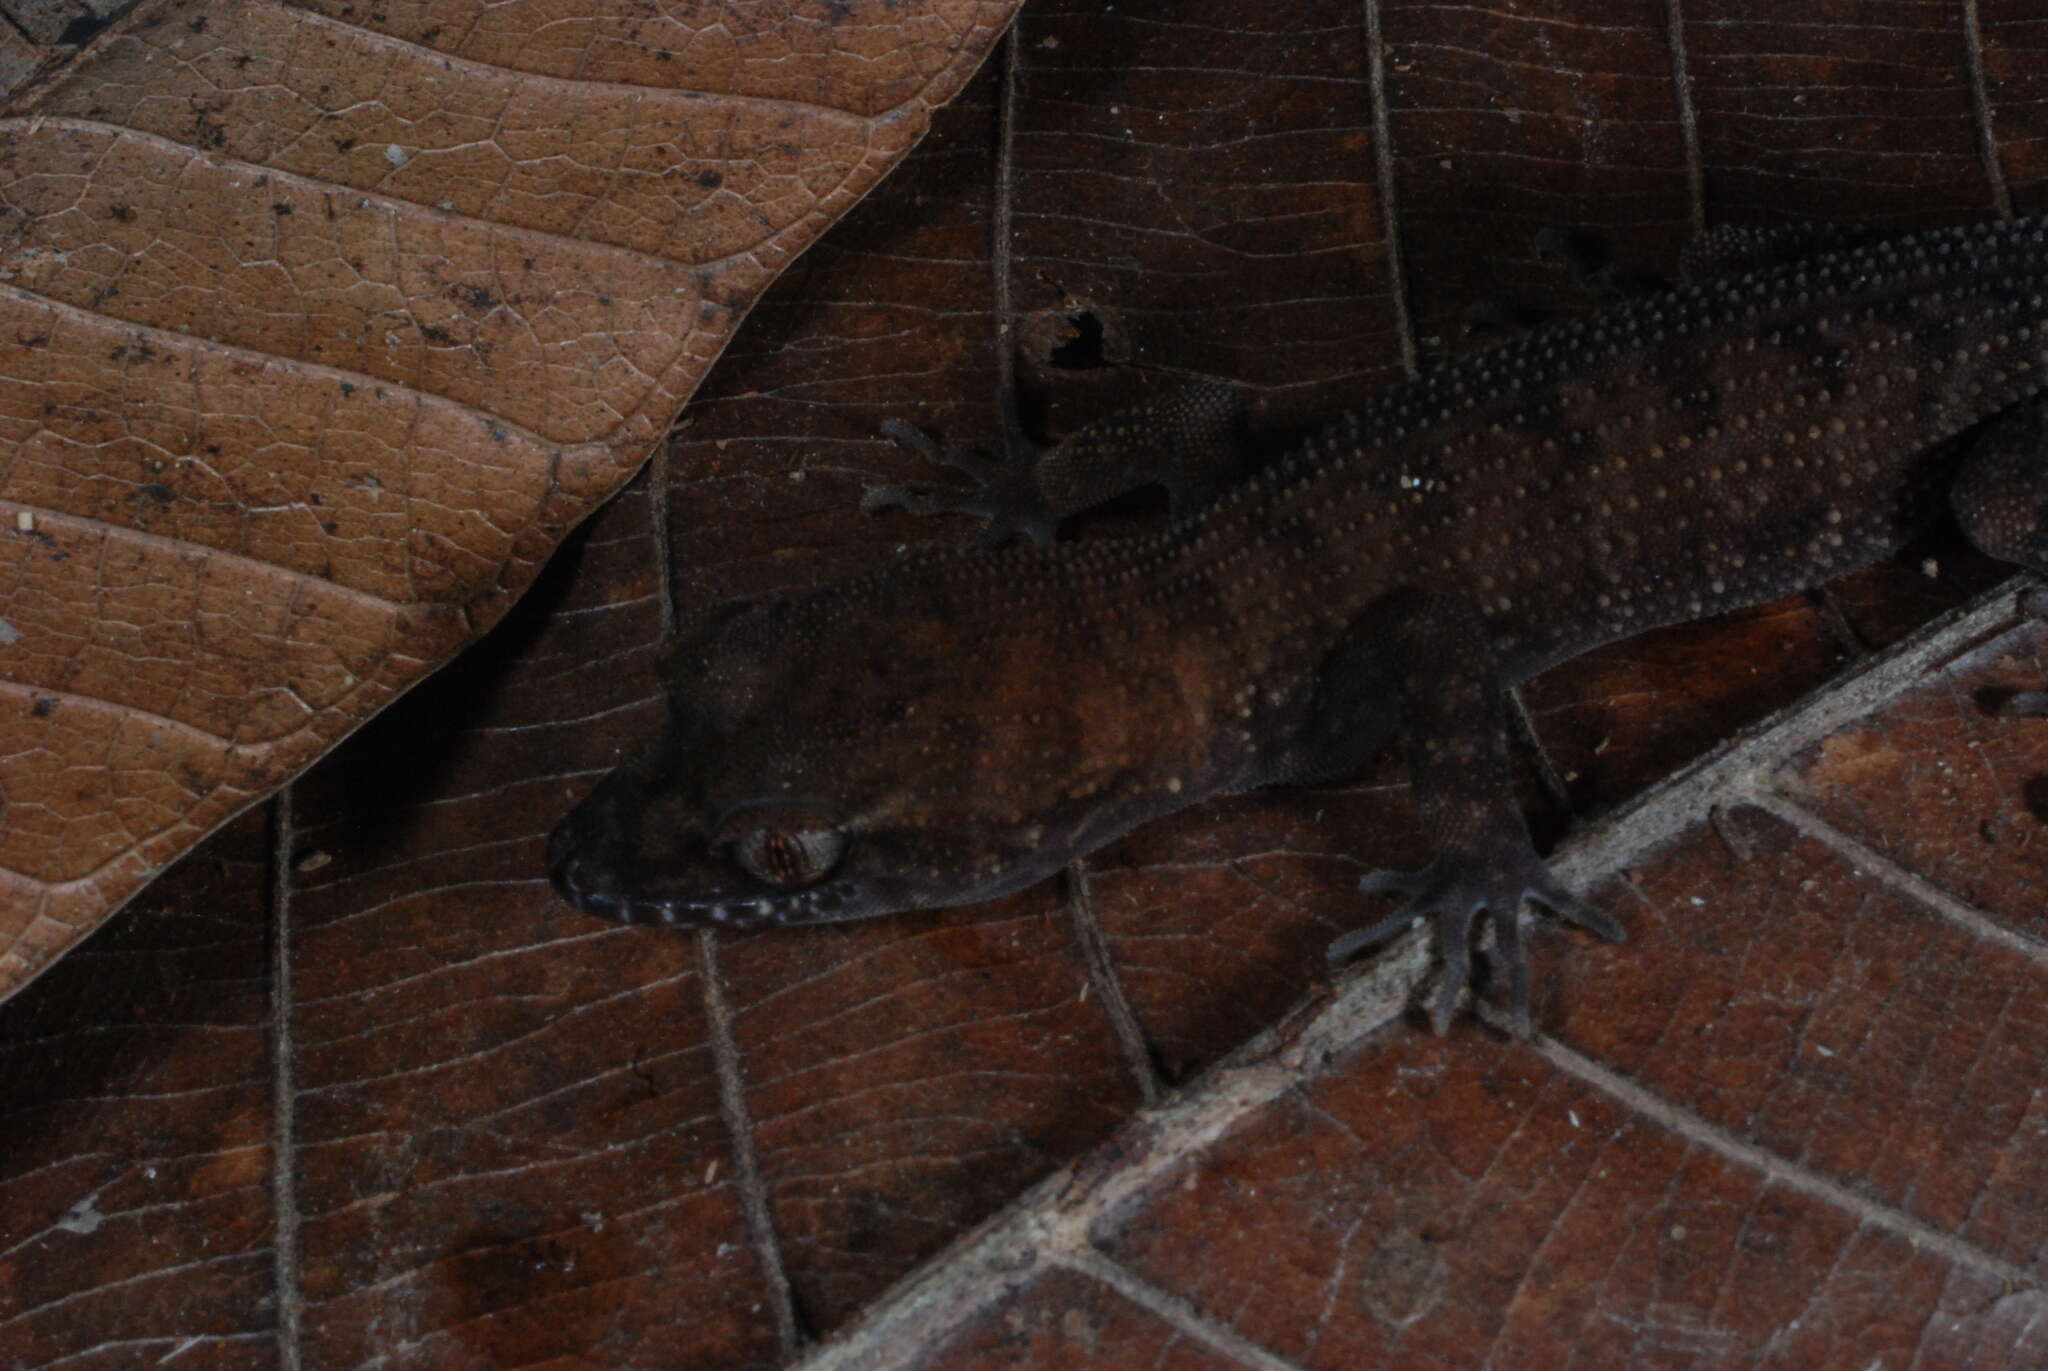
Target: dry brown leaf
(321, 325)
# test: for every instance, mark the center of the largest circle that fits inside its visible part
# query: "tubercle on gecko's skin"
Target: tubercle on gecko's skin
(964, 723)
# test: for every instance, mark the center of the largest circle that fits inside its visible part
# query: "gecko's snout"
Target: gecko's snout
(572, 873)
(586, 878)
(565, 864)
(595, 857)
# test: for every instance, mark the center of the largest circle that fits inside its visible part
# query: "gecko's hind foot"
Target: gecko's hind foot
(1452, 891)
(1006, 494)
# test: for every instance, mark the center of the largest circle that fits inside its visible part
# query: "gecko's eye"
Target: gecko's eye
(787, 846)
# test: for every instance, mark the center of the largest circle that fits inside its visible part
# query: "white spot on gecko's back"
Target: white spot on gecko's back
(9, 634)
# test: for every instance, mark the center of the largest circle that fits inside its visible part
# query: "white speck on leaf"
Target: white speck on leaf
(82, 1217)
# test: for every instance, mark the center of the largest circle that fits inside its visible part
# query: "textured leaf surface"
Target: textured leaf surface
(319, 326)
(350, 1088)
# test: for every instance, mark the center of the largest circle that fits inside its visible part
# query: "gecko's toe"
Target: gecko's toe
(1508, 956)
(1443, 1006)
(2024, 704)
(1411, 912)
(879, 498)
(914, 438)
(1456, 973)
(1574, 910)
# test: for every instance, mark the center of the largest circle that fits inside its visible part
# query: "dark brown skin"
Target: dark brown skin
(964, 723)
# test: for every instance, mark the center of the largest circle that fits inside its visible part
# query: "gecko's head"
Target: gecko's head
(818, 764)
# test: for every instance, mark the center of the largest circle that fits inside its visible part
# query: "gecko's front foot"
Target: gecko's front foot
(1453, 890)
(1006, 494)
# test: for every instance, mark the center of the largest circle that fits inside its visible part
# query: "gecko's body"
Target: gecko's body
(964, 723)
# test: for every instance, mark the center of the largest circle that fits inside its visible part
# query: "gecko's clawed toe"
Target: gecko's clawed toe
(1573, 910)
(2024, 704)
(878, 498)
(1407, 883)
(1452, 892)
(916, 439)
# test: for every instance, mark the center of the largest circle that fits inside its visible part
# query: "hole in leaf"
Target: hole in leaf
(1082, 351)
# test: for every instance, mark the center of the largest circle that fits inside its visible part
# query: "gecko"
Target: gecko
(966, 722)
